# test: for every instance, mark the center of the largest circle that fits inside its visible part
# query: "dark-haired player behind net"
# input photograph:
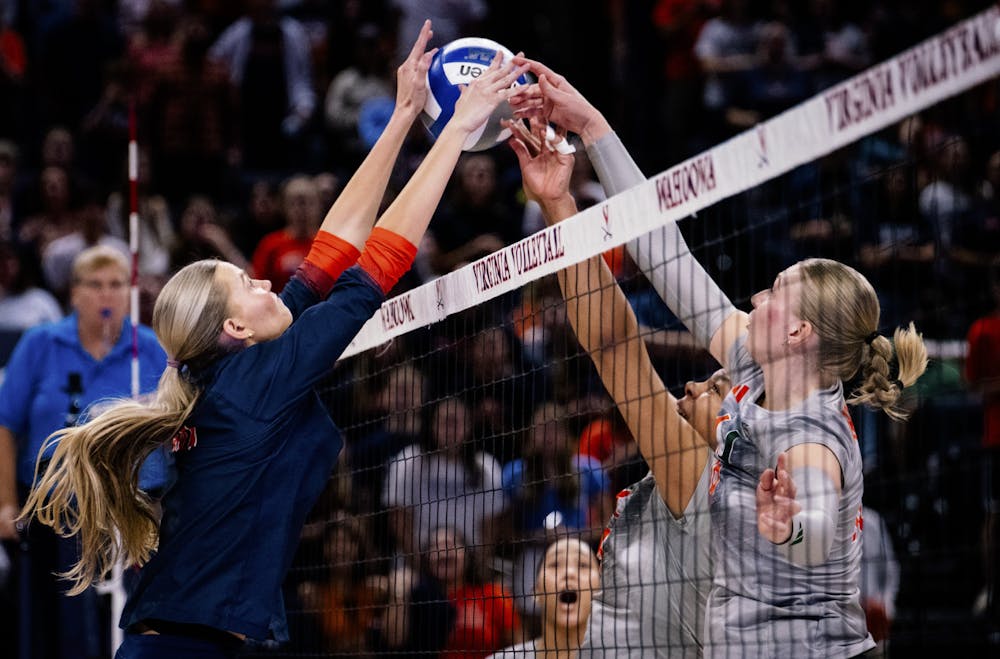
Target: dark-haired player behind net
(786, 488)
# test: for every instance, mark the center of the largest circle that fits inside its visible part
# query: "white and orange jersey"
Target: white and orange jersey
(761, 604)
(655, 577)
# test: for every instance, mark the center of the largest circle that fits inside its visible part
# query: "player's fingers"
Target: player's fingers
(528, 92)
(421, 43)
(520, 150)
(496, 62)
(521, 131)
(508, 75)
(524, 108)
(425, 60)
(540, 69)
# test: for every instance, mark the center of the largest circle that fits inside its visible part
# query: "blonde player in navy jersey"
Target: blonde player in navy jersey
(786, 485)
(253, 443)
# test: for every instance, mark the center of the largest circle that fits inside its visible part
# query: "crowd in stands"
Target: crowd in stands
(474, 443)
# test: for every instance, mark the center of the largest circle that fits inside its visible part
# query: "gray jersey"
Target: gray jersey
(761, 604)
(655, 576)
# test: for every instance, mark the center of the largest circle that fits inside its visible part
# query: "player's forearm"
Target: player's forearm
(662, 254)
(597, 308)
(351, 217)
(411, 211)
(814, 527)
(613, 164)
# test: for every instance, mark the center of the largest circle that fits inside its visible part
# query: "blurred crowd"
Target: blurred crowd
(474, 443)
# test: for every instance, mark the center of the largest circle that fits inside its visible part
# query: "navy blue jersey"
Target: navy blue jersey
(260, 453)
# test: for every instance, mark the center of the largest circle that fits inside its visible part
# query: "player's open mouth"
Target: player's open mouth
(568, 596)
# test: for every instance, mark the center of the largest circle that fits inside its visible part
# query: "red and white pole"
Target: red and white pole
(115, 585)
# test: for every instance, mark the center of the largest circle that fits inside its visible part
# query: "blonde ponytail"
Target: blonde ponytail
(90, 487)
(882, 385)
(843, 308)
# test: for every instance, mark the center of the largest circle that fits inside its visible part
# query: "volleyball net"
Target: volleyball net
(478, 431)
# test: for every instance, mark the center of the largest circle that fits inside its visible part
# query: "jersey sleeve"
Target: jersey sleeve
(289, 366)
(741, 365)
(833, 430)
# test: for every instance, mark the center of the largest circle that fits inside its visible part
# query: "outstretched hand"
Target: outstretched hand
(554, 99)
(411, 76)
(481, 96)
(545, 171)
(776, 504)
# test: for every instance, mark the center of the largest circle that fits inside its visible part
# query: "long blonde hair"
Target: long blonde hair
(843, 308)
(91, 485)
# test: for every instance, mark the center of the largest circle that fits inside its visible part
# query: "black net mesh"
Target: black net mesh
(474, 444)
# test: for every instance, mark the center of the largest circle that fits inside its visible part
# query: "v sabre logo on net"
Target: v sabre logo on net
(439, 293)
(606, 227)
(762, 157)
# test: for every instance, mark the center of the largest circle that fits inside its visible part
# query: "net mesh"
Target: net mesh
(475, 443)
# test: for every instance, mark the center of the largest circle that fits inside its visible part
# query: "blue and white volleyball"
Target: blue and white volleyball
(459, 63)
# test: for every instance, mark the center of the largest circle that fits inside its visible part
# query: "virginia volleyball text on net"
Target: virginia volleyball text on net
(936, 69)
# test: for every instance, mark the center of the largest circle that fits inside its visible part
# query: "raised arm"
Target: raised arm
(662, 255)
(410, 213)
(389, 247)
(608, 331)
(353, 213)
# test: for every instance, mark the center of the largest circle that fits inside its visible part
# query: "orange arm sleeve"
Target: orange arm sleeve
(331, 254)
(327, 259)
(387, 257)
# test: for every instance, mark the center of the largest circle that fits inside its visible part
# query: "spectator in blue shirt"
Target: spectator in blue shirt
(56, 376)
(254, 444)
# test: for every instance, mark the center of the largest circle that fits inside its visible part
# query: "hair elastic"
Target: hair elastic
(173, 363)
(871, 337)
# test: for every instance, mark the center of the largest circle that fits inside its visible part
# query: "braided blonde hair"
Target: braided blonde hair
(843, 308)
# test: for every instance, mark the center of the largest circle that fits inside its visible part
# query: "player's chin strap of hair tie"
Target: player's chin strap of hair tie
(182, 368)
(894, 375)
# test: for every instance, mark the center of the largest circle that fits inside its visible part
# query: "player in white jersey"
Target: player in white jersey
(786, 487)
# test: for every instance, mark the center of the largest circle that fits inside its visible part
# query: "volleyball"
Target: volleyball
(460, 62)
